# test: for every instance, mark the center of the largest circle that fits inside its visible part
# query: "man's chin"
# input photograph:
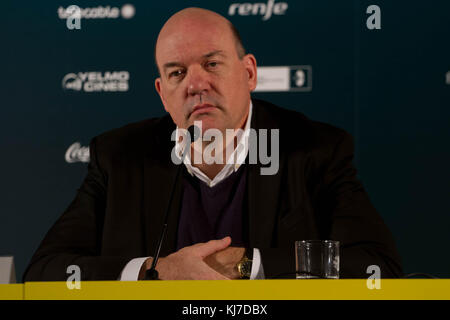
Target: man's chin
(207, 122)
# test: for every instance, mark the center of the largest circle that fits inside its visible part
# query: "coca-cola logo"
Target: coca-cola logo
(77, 153)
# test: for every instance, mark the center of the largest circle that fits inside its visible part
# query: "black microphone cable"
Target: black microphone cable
(152, 273)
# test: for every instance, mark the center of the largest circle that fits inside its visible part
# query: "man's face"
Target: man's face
(202, 77)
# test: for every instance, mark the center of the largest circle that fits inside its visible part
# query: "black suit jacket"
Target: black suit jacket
(117, 214)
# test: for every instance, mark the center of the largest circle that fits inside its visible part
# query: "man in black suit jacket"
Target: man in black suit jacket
(118, 212)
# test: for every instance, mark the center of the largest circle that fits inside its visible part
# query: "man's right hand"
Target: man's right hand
(188, 263)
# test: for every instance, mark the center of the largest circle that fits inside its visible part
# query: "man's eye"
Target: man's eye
(176, 73)
(212, 64)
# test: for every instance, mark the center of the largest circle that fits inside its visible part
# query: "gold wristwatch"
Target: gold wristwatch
(244, 266)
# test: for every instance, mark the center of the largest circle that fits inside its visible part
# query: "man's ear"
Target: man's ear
(159, 90)
(249, 61)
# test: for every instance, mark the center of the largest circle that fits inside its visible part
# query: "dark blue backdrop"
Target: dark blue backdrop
(389, 87)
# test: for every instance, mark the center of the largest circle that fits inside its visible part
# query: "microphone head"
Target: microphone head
(194, 132)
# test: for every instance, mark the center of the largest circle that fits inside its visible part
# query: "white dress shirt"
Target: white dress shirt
(236, 159)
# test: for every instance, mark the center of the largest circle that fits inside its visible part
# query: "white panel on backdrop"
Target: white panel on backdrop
(284, 79)
(273, 79)
(7, 271)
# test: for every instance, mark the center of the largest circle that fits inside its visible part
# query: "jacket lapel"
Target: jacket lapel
(263, 190)
(159, 175)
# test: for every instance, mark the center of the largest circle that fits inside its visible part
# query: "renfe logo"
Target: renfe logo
(266, 10)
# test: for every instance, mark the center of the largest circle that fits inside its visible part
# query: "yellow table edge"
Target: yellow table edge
(11, 291)
(348, 289)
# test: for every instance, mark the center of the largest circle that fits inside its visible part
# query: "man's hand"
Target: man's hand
(225, 261)
(189, 263)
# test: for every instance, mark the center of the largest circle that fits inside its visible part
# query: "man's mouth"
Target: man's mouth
(202, 108)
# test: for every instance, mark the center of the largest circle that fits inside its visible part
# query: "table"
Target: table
(317, 289)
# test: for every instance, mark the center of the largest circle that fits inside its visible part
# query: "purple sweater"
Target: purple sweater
(209, 213)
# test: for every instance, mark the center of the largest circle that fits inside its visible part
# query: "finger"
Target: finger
(213, 246)
(211, 274)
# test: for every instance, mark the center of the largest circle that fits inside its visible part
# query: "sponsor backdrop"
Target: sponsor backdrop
(379, 69)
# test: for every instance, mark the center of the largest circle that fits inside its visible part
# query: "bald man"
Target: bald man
(226, 219)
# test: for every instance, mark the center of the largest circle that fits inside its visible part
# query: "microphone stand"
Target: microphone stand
(152, 273)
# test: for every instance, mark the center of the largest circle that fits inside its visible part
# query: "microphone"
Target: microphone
(152, 273)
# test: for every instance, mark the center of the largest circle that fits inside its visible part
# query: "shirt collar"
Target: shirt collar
(239, 153)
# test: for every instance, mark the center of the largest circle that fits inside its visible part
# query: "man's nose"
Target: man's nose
(198, 81)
